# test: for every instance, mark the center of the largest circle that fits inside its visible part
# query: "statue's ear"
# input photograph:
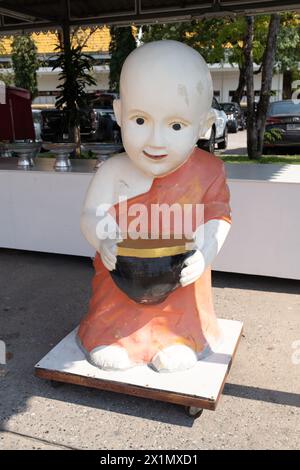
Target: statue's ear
(210, 119)
(117, 110)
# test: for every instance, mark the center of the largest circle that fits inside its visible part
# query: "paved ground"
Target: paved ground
(237, 144)
(42, 299)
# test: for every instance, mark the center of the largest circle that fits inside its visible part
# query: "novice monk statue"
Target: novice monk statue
(152, 296)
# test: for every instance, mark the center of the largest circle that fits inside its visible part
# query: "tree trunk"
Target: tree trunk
(251, 114)
(77, 140)
(287, 84)
(256, 121)
(266, 80)
(73, 128)
(238, 93)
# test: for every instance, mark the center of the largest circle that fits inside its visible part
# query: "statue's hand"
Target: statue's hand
(194, 268)
(109, 235)
(108, 251)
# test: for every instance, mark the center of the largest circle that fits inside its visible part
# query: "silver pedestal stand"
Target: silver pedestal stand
(26, 151)
(62, 152)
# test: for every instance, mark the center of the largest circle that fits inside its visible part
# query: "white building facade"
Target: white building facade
(48, 83)
(225, 81)
(226, 78)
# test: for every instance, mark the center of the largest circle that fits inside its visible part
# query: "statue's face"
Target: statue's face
(161, 114)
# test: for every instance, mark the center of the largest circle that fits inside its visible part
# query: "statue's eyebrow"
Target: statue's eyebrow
(137, 111)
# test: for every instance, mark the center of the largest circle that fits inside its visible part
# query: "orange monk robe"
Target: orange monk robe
(187, 315)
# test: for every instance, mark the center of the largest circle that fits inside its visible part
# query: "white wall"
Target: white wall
(48, 82)
(225, 79)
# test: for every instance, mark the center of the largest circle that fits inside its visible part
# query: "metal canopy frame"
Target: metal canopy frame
(16, 15)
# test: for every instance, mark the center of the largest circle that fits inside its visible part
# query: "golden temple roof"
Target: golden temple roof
(96, 41)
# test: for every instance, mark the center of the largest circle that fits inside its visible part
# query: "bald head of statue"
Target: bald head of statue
(165, 104)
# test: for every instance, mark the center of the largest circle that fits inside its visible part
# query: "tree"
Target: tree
(121, 44)
(76, 74)
(288, 51)
(202, 35)
(25, 63)
(5, 77)
(245, 41)
(256, 119)
(218, 40)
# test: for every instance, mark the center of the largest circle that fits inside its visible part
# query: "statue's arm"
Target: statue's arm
(99, 198)
(116, 178)
(209, 240)
(210, 236)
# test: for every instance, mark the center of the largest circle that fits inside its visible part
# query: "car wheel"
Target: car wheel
(223, 145)
(234, 128)
(209, 146)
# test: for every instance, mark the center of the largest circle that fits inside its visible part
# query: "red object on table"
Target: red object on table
(16, 122)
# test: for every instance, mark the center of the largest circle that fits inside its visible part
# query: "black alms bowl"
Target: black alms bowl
(149, 280)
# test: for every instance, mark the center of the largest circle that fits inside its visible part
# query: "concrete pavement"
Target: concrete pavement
(44, 296)
(237, 144)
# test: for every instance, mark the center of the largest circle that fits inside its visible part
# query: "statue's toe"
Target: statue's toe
(110, 357)
(174, 358)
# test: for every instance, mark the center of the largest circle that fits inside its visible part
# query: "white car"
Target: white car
(217, 133)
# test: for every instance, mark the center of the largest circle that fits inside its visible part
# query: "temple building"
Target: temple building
(97, 45)
(225, 76)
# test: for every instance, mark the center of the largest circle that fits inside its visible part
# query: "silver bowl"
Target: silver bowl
(62, 151)
(4, 152)
(103, 151)
(26, 151)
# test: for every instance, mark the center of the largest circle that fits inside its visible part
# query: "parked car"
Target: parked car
(108, 128)
(282, 125)
(54, 125)
(101, 100)
(218, 132)
(235, 116)
(102, 103)
(96, 125)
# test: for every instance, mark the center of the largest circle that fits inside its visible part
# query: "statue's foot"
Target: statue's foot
(174, 358)
(110, 358)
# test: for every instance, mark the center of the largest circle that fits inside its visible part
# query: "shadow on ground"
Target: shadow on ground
(44, 296)
(256, 283)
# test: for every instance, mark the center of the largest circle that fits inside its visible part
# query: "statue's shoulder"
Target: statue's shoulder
(120, 172)
(117, 164)
(203, 160)
(120, 166)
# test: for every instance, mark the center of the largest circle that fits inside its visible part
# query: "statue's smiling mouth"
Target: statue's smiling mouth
(155, 157)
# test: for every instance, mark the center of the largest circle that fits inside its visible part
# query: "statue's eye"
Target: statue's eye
(140, 121)
(176, 126)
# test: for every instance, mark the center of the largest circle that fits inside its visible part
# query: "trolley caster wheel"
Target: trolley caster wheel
(193, 411)
(55, 384)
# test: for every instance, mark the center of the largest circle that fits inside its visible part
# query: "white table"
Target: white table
(40, 211)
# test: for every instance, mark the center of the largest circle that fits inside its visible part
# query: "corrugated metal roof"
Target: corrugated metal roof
(43, 14)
